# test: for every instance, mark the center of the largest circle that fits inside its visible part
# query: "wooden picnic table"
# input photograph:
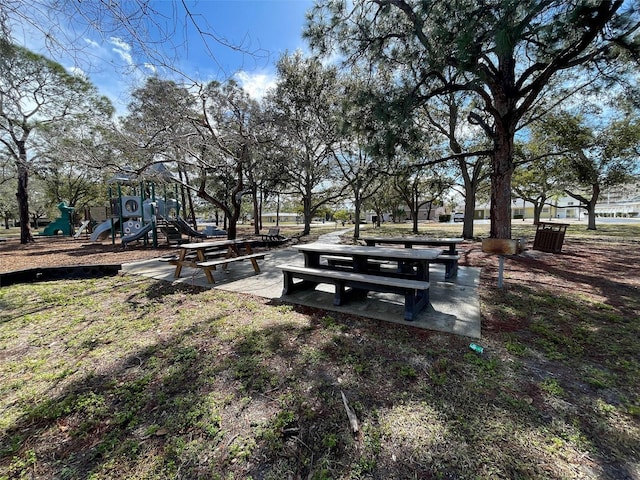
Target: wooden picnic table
(409, 242)
(199, 254)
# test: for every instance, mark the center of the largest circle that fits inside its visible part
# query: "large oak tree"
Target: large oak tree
(304, 105)
(36, 93)
(595, 157)
(505, 53)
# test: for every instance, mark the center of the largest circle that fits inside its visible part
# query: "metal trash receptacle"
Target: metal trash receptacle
(550, 237)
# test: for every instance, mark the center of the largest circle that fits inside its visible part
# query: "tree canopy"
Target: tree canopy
(36, 93)
(506, 54)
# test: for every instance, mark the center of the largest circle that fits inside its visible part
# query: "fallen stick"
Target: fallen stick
(353, 420)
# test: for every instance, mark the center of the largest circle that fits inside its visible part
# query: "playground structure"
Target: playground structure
(62, 225)
(138, 215)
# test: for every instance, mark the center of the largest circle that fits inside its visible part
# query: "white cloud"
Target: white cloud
(78, 72)
(256, 84)
(151, 68)
(92, 43)
(122, 48)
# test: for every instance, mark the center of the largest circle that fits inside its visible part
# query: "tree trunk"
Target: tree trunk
(192, 211)
(591, 217)
(356, 229)
(537, 211)
(469, 211)
(306, 230)
(230, 225)
(232, 229)
(379, 214)
(256, 211)
(501, 185)
(591, 206)
(414, 206)
(22, 196)
(306, 206)
(234, 215)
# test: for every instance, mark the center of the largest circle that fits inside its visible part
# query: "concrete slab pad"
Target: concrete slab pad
(454, 305)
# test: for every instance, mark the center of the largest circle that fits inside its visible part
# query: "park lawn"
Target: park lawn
(126, 377)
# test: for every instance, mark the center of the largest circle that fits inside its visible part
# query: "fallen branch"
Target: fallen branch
(353, 420)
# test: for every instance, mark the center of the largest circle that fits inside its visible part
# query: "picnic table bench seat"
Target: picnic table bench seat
(192, 257)
(416, 293)
(347, 261)
(450, 264)
(212, 264)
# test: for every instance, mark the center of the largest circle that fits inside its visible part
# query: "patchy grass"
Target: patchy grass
(125, 377)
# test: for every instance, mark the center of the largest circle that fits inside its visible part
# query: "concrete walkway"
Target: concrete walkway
(454, 304)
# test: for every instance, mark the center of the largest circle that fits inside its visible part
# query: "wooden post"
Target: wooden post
(500, 271)
(501, 247)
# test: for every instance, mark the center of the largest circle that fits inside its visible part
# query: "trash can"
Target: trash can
(550, 237)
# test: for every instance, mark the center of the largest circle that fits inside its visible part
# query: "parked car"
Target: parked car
(458, 217)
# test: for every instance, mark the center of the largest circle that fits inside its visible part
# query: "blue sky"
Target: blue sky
(261, 29)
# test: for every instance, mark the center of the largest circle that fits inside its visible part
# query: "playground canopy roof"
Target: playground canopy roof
(157, 172)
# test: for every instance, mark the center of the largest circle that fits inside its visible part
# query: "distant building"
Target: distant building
(520, 210)
(622, 201)
(423, 215)
(282, 217)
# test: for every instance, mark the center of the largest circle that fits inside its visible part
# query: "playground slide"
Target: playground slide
(146, 228)
(103, 230)
(187, 229)
(82, 228)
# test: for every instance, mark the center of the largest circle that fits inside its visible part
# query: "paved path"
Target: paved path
(334, 237)
(454, 304)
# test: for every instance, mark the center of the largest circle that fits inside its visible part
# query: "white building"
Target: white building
(621, 201)
(281, 217)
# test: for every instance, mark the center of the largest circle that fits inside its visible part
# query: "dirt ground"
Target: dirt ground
(59, 251)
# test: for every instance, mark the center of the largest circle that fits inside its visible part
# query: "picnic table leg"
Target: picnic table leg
(256, 267)
(207, 270)
(232, 251)
(248, 251)
(311, 259)
(360, 265)
(339, 296)
(409, 306)
(407, 268)
(414, 302)
(181, 257)
(451, 269)
(290, 285)
(422, 271)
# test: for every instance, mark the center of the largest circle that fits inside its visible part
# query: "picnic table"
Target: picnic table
(449, 256)
(362, 273)
(409, 242)
(208, 255)
(410, 263)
